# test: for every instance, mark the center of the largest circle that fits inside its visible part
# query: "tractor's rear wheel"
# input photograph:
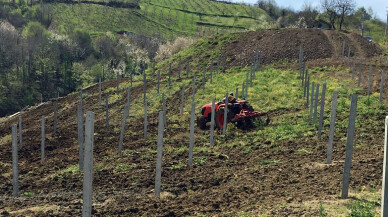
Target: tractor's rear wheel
(245, 124)
(201, 122)
(219, 118)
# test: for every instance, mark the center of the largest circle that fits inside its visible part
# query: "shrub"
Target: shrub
(171, 48)
(362, 209)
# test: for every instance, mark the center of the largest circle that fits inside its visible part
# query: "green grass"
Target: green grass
(169, 18)
(178, 166)
(71, 169)
(360, 208)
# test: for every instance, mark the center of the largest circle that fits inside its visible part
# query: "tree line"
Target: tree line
(332, 14)
(37, 63)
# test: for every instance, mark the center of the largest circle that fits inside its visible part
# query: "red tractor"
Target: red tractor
(240, 113)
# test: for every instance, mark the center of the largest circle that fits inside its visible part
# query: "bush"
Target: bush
(362, 209)
(171, 48)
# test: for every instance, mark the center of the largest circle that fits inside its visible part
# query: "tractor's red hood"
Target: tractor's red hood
(208, 105)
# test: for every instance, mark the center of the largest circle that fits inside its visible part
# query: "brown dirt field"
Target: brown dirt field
(228, 182)
(283, 45)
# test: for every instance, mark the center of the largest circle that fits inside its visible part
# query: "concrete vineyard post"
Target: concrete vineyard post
(122, 131)
(164, 111)
(243, 91)
(382, 85)
(384, 192)
(305, 84)
(254, 72)
(258, 62)
(158, 176)
(55, 116)
(194, 86)
(212, 123)
(251, 75)
(369, 80)
(225, 115)
(20, 132)
(99, 92)
(117, 82)
(88, 166)
(131, 79)
(80, 126)
(332, 127)
(236, 96)
(145, 120)
(158, 85)
(106, 113)
(360, 74)
(312, 99)
(343, 50)
(41, 98)
(316, 104)
(15, 162)
(322, 111)
(128, 95)
(246, 91)
(192, 118)
(247, 84)
(144, 86)
(349, 147)
(43, 137)
(182, 99)
(307, 91)
(302, 76)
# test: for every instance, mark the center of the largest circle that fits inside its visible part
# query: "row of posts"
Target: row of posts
(312, 100)
(86, 133)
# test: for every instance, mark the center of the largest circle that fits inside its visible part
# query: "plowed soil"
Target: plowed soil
(284, 45)
(231, 180)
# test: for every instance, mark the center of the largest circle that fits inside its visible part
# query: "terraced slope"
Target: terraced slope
(169, 18)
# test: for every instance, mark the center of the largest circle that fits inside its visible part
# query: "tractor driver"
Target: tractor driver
(231, 99)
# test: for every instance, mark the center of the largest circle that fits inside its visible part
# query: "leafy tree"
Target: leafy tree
(84, 44)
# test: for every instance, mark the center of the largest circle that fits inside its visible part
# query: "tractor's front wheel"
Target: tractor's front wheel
(219, 118)
(201, 122)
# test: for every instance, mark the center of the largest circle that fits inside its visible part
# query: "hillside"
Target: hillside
(71, 44)
(278, 170)
(169, 18)
(276, 47)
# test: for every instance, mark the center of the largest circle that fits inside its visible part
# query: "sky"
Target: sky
(379, 6)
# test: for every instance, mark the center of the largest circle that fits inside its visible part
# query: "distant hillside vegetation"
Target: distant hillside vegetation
(167, 18)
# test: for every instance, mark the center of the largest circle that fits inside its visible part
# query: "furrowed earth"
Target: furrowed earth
(275, 171)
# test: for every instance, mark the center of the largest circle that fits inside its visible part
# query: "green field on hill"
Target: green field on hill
(168, 18)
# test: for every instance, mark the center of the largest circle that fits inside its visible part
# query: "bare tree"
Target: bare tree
(329, 7)
(344, 7)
